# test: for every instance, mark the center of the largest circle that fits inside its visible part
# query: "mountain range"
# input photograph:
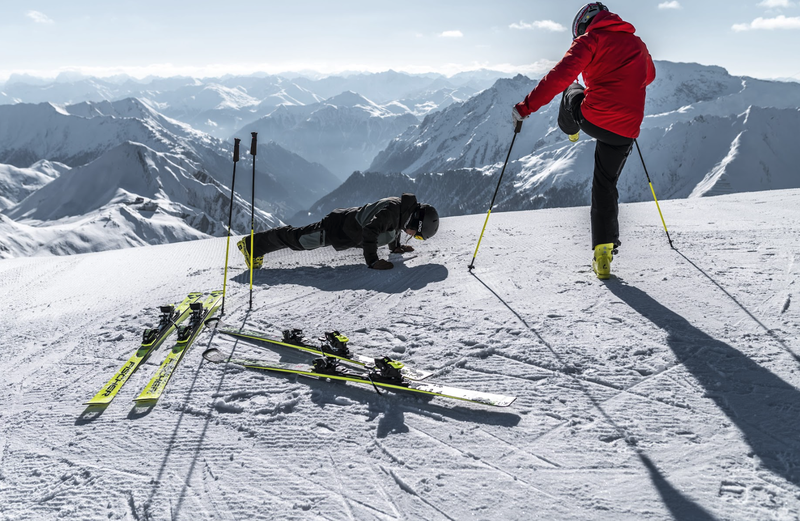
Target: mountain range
(221, 106)
(105, 160)
(343, 132)
(705, 132)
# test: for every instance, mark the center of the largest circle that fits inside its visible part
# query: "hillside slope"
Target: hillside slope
(670, 392)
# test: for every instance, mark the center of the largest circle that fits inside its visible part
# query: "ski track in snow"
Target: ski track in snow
(671, 391)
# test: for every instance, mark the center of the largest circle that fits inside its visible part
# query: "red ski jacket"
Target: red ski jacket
(616, 68)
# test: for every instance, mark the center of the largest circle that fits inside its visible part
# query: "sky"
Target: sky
(758, 38)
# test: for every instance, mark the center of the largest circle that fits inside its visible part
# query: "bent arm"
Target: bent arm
(383, 221)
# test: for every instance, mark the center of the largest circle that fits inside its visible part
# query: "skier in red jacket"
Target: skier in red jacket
(616, 68)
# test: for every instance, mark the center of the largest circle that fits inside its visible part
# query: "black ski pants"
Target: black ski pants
(610, 155)
(307, 237)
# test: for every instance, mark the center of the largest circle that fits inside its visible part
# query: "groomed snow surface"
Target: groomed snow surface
(671, 391)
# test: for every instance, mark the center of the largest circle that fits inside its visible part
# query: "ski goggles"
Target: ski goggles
(419, 235)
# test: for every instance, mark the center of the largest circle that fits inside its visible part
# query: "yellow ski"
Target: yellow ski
(171, 316)
(384, 377)
(186, 335)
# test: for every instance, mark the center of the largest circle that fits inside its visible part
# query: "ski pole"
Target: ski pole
(253, 144)
(230, 219)
(654, 194)
(491, 205)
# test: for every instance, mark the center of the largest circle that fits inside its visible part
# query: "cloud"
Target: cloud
(776, 3)
(674, 4)
(452, 34)
(39, 17)
(769, 24)
(547, 25)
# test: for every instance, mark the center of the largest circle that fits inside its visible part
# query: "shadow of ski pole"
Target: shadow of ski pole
(755, 319)
(681, 506)
(174, 438)
(209, 416)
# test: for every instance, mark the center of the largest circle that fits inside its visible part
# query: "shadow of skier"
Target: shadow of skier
(769, 331)
(681, 507)
(764, 407)
(350, 277)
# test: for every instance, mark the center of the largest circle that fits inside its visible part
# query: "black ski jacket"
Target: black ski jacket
(369, 226)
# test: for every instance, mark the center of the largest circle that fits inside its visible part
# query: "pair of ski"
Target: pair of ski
(193, 309)
(378, 372)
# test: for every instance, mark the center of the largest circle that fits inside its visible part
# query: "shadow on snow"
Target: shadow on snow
(349, 277)
(763, 407)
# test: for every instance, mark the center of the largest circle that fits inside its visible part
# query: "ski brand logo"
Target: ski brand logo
(167, 369)
(119, 379)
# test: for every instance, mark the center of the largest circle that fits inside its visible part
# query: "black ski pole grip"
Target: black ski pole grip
(518, 128)
(236, 141)
(253, 143)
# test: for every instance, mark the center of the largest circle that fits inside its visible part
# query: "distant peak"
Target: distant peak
(59, 108)
(348, 99)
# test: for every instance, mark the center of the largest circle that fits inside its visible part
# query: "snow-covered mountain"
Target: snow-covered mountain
(18, 183)
(220, 106)
(705, 132)
(670, 392)
(304, 182)
(77, 134)
(343, 133)
(468, 134)
(129, 196)
(126, 156)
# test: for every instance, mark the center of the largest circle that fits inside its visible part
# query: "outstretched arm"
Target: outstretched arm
(559, 78)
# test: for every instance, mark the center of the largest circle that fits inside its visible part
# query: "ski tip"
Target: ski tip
(506, 401)
(97, 403)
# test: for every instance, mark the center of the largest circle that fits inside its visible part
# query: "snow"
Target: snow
(129, 196)
(671, 391)
(17, 183)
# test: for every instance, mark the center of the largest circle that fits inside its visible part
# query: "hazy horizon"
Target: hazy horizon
(207, 39)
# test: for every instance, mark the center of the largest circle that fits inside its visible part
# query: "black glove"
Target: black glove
(402, 248)
(381, 264)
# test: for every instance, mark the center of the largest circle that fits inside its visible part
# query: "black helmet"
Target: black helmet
(427, 219)
(584, 17)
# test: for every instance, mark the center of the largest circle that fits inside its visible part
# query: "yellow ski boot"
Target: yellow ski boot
(601, 264)
(243, 247)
